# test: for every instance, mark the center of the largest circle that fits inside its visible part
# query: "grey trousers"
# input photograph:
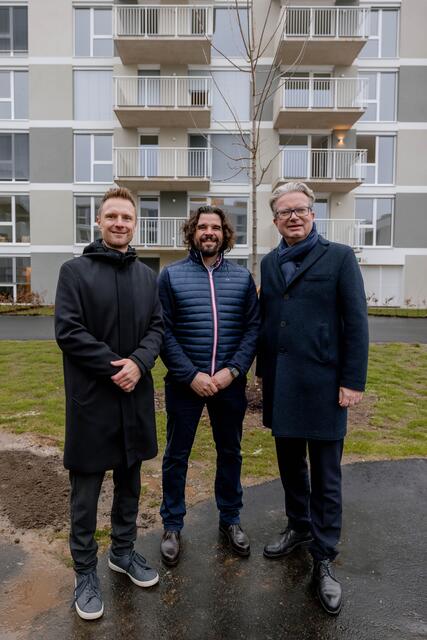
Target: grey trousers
(85, 490)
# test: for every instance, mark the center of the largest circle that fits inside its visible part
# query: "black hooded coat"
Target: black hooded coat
(107, 308)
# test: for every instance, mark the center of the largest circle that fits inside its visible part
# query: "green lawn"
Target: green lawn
(397, 312)
(26, 310)
(32, 400)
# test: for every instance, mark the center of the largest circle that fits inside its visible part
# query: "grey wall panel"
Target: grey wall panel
(412, 104)
(52, 217)
(170, 209)
(44, 273)
(51, 155)
(51, 92)
(410, 220)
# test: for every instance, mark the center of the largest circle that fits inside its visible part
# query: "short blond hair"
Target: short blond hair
(291, 187)
(117, 192)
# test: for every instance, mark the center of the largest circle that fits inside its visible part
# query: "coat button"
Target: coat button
(283, 323)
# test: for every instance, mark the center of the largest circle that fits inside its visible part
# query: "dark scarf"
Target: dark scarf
(290, 257)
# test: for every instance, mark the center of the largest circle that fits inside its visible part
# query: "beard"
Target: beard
(208, 251)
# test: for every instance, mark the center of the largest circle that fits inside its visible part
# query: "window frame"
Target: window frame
(92, 35)
(12, 223)
(93, 162)
(373, 226)
(12, 161)
(379, 37)
(14, 285)
(12, 94)
(11, 52)
(375, 163)
(93, 211)
(377, 100)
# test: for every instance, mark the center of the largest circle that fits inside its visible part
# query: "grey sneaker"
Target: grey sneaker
(136, 567)
(87, 596)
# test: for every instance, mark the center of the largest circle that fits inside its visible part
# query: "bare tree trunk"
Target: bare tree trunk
(253, 177)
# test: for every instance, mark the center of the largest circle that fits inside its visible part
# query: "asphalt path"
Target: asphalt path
(380, 329)
(213, 595)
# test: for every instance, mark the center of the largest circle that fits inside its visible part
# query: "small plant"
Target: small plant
(409, 303)
(371, 299)
(388, 300)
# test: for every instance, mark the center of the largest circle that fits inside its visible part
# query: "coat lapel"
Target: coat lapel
(312, 257)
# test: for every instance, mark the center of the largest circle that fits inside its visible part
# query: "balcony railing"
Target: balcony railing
(163, 21)
(344, 231)
(324, 93)
(322, 164)
(159, 232)
(191, 92)
(325, 22)
(162, 162)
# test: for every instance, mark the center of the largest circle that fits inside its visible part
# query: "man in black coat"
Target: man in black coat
(313, 356)
(211, 316)
(109, 327)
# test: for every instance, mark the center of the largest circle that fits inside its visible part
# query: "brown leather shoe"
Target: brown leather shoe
(170, 547)
(237, 538)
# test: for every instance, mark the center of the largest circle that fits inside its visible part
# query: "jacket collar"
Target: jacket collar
(196, 256)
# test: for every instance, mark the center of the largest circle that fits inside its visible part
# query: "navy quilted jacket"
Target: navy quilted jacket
(211, 317)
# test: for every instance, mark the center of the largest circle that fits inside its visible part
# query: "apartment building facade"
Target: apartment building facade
(157, 97)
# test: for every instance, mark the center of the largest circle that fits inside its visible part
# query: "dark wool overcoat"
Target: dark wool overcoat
(107, 308)
(314, 339)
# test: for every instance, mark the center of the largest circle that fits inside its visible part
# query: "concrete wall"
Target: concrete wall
(415, 283)
(52, 217)
(410, 221)
(413, 20)
(51, 155)
(412, 82)
(44, 273)
(51, 91)
(411, 166)
(50, 30)
(170, 209)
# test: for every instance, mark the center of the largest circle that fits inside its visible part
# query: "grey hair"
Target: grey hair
(290, 187)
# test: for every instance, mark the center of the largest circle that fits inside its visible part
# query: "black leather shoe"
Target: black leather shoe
(288, 541)
(237, 538)
(328, 588)
(170, 547)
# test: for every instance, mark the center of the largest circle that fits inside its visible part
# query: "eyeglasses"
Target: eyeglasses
(300, 212)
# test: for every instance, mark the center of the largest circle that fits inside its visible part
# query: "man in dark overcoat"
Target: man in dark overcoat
(211, 315)
(312, 358)
(109, 326)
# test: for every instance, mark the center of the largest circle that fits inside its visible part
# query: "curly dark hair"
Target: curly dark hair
(190, 226)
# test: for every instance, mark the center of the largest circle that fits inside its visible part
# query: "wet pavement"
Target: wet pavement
(380, 329)
(213, 595)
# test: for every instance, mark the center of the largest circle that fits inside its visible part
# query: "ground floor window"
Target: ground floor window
(376, 220)
(236, 208)
(85, 211)
(15, 279)
(15, 219)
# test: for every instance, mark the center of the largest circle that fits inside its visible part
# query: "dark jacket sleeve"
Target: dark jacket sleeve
(149, 348)
(72, 335)
(172, 354)
(245, 353)
(352, 301)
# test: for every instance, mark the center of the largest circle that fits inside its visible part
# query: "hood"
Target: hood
(98, 251)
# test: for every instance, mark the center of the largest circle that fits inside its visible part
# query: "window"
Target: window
(149, 224)
(93, 157)
(93, 95)
(93, 32)
(13, 30)
(379, 168)
(14, 218)
(376, 220)
(383, 37)
(381, 96)
(230, 161)
(231, 95)
(86, 208)
(227, 36)
(235, 207)
(13, 95)
(14, 157)
(15, 278)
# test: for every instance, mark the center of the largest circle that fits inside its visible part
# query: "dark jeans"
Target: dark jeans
(85, 489)
(226, 412)
(317, 507)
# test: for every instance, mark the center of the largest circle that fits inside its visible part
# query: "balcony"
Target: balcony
(163, 168)
(324, 170)
(320, 103)
(159, 232)
(162, 34)
(322, 35)
(163, 101)
(344, 231)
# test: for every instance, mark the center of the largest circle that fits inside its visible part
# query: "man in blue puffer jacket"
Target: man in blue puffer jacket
(211, 317)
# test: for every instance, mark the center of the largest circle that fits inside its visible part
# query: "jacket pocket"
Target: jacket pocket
(317, 276)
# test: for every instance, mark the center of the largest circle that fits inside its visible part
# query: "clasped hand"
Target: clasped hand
(205, 385)
(128, 375)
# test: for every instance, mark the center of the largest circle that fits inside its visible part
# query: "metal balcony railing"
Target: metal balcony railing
(340, 230)
(322, 164)
(159, 232)
(163, 21)
(324, 93)
(162, 162)
(163, 91)
(325, 22)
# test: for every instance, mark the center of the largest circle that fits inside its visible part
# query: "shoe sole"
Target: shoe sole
(170, 563)
(272, 556)
(89, 616)
(239, 552)
(139, 583)
(332, 612)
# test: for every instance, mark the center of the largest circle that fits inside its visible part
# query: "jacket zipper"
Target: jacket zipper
(215, 320)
